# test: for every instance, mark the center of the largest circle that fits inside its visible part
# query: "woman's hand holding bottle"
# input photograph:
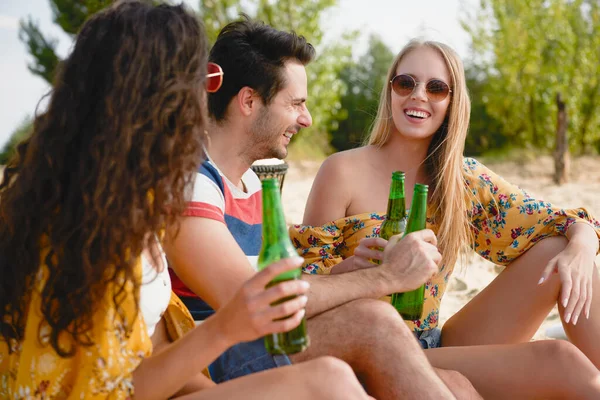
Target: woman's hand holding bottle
(250, 314)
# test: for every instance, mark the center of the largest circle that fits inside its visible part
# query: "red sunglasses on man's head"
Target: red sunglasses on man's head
(214, 77)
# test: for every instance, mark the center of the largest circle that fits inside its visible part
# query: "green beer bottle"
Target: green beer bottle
(410, 304)
(395, 219)
(277, 245)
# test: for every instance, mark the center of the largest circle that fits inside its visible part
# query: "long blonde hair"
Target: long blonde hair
(444, 161)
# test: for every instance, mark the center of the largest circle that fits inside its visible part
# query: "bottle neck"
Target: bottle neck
(417, 218)
(274, 225)
(396, 201)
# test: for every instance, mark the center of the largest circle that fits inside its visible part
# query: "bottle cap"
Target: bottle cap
(421, 188)
(397, 175)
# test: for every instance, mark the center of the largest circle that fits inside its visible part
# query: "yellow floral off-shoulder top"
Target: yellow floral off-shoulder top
(31, 369)
(505, 220)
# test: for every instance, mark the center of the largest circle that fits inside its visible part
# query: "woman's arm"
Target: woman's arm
(575, 265)
(165, 373)
(248, 316)
(584, 236)
(508, 221)
(368, 254)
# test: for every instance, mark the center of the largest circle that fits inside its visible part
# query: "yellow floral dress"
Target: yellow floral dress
(33, 370)
(505, 220)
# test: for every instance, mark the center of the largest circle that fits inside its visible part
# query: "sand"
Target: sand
(535, 176)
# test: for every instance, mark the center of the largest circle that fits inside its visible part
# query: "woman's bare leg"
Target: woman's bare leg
(550, 369)
(324, 378)
(458, 384)
(196, 384)
(513, 306)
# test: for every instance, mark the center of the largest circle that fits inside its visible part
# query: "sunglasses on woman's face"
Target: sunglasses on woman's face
(405, 85)
(214, 77)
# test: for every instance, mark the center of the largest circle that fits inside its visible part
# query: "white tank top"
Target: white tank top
(155, 291)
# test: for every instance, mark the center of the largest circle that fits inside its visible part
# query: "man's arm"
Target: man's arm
(330, 291)
(206, 257)
(407, 264)
(209, 261)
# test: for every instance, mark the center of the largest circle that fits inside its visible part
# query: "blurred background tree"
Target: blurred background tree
(485, 131)
(69, 15)
(22, 131)
(362, 85)
(523, 54)
(301, 16)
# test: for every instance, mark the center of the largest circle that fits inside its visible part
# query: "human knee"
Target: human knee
(458, 384)
(331, 366)
(335, 380)
(377, 314)
(558, 353)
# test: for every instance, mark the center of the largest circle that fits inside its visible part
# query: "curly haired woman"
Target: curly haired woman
(103, 173)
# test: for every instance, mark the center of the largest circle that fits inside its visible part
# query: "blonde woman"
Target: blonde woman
(420, 128)
(82, 206)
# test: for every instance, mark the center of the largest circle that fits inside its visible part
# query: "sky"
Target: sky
(395, 21)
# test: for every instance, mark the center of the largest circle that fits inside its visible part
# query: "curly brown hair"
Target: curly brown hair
(106, 166)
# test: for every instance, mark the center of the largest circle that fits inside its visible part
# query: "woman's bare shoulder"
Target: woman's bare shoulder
(353, 159)
(333, 187)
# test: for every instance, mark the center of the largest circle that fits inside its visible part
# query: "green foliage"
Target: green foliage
(528, 51)
(42, 50)
(324, 86)
(70, 16)
(324, 95)
(217, 13)
(301, 16)
(22, 132)
(485, 132)
(363, 82)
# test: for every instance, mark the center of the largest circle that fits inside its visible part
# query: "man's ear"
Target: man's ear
(247, 101)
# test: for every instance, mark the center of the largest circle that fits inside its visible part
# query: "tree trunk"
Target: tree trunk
(561, 155)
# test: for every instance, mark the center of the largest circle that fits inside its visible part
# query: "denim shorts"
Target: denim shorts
(244, 359)
(429, 339)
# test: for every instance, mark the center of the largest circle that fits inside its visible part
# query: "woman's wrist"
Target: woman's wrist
(583, 237)
(220, 335)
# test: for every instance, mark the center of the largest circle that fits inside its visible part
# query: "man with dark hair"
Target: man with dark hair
(260, 106)
(254, 55)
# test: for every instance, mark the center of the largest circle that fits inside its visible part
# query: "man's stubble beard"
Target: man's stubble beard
(264, 136)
